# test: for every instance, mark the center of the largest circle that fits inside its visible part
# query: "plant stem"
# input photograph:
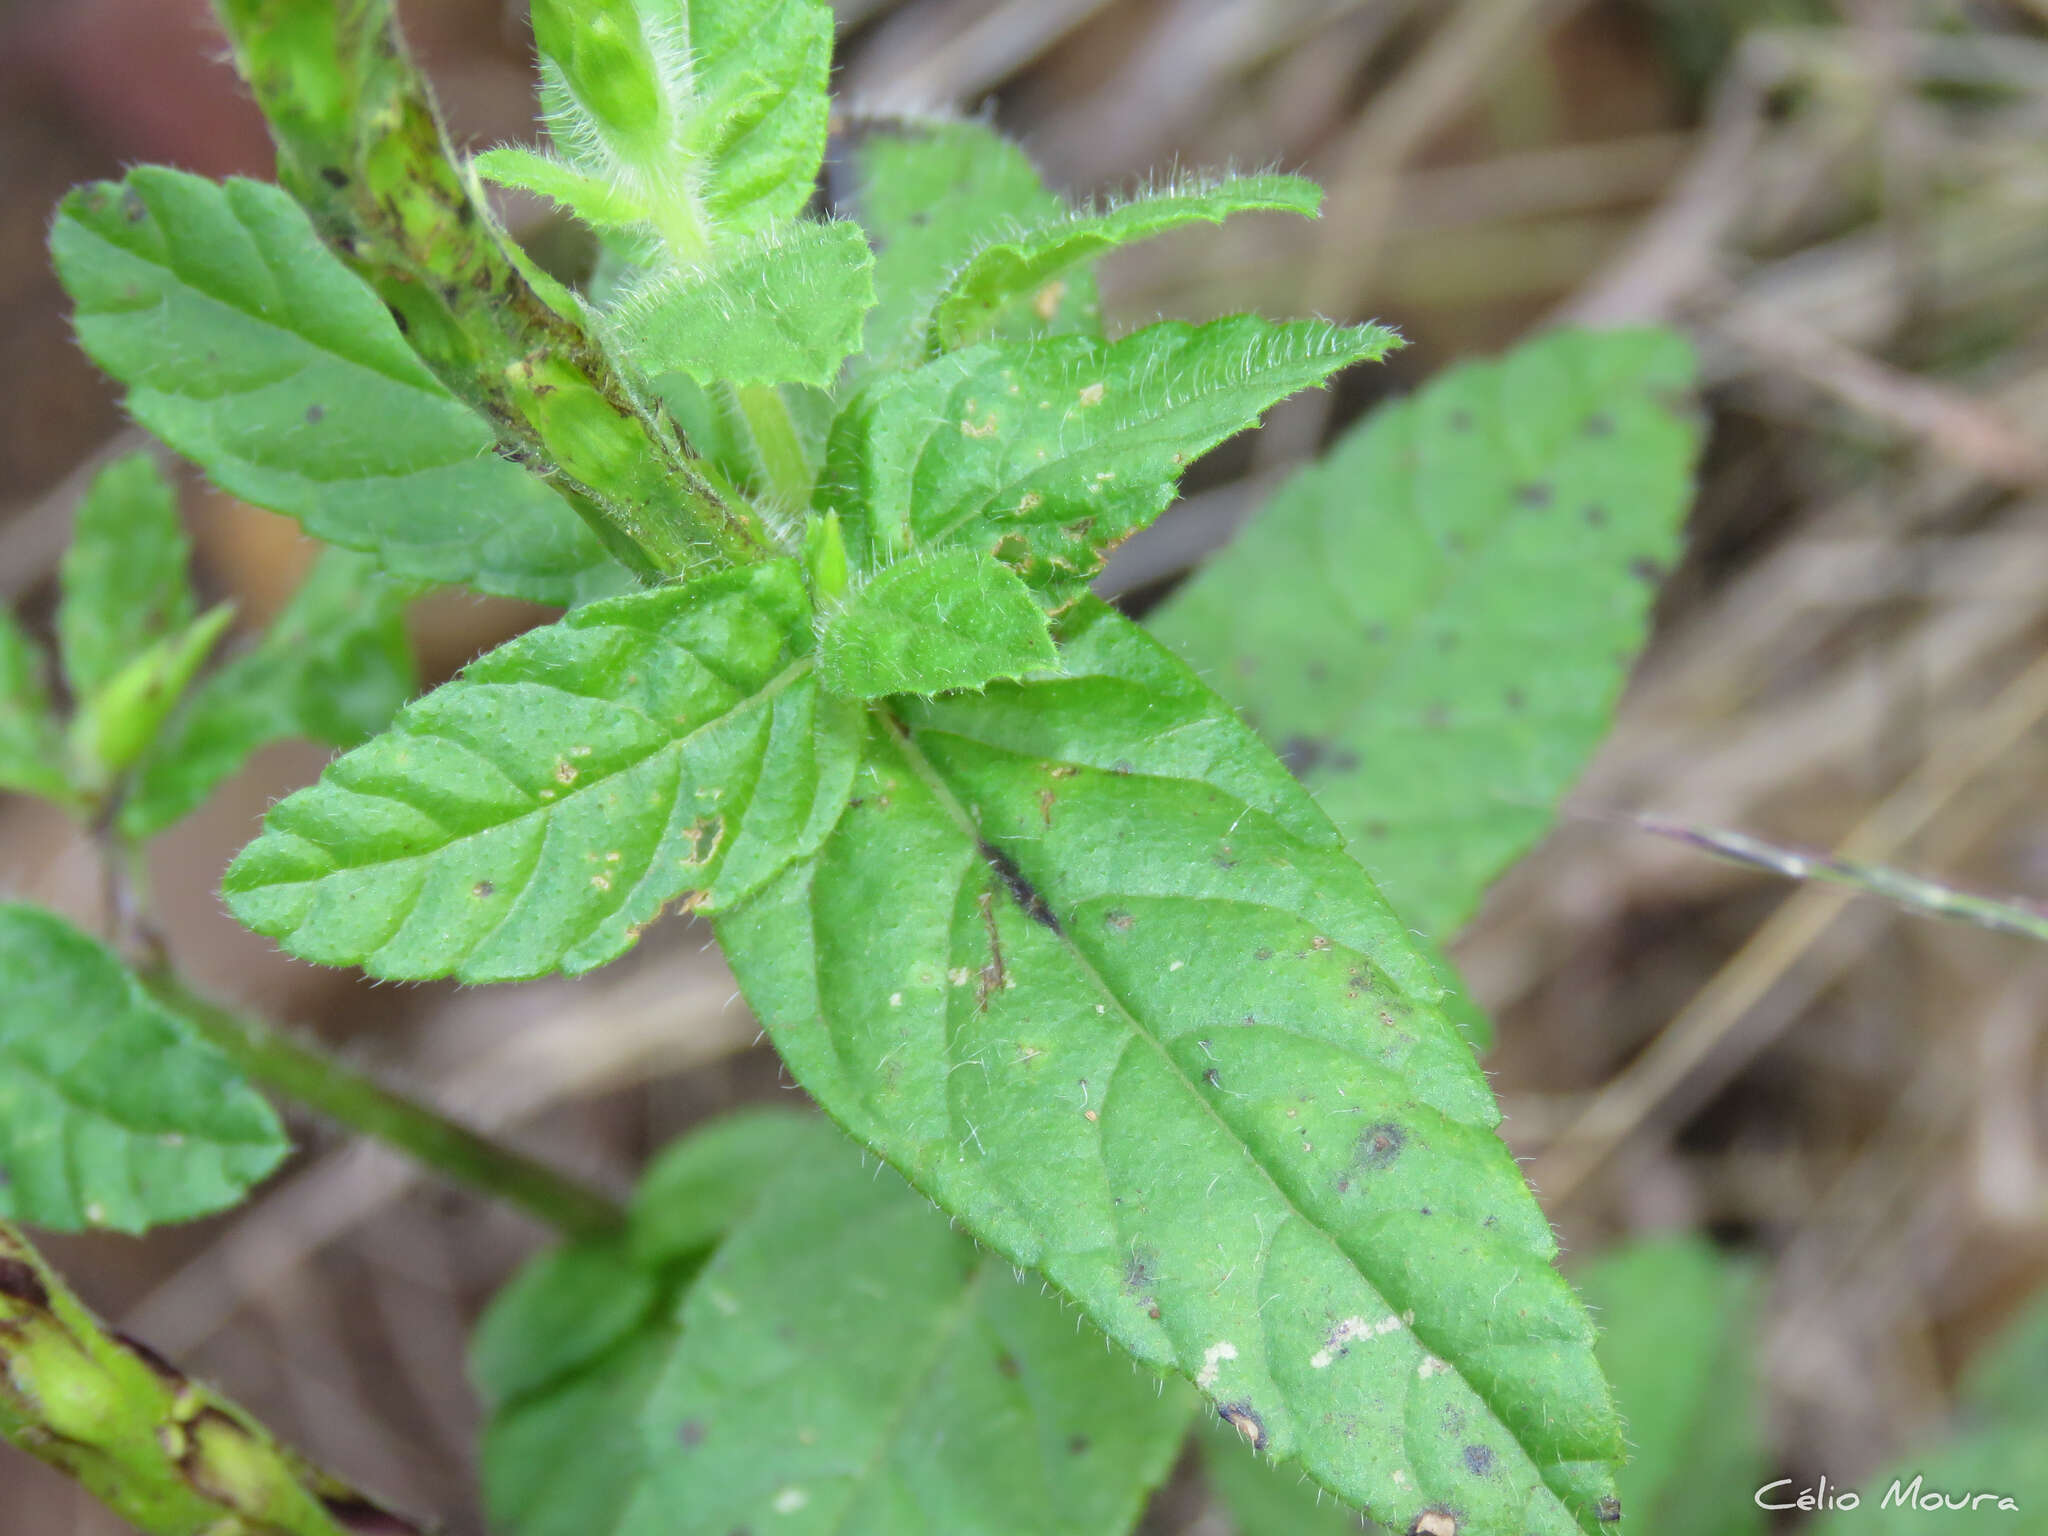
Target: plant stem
(360, 146)
(775, 441)
(321, 1083)
(169, 1455)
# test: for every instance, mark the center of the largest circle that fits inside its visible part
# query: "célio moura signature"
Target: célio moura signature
(1912, 1495)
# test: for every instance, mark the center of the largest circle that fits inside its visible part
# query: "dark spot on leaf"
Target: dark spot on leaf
(1345, 761)
(1447, 641)
(1302, 753)
(1242, 1418)
(1007, 1364)
(1595, 515)
(1460, 421)
(334, 176)
(1021, 890)
(483, 890)
(1515, 699)
(1376, 829)
(1316, 672)
(1437, 1520)
(1379, 1145)
(1376, 633)
(1137, 1272)
(1608, 1509)
(1436, 716)
(1599, 424)
(1646, 570)
(315, 414)
(1118, 922)
(691, 1433)
(1534, 494)
(1262, 954)
(1479, 1459)
(19, 1280)
(1077, 1445)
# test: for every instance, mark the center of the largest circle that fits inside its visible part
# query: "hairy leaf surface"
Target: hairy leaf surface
(725, 139)
(597, 202)
(1049, 453)
(1678, 1334)
(957, 619)
(1008, 271)
(931, 191)
(122, 582)
(246, 345)
(1087, 966)
(31, 751)
(783, 309)
(1268, 1500)
(539, 811)
(844, 1363)
(759, 68)
(334, 668)
(113, 1113)
(1433, 623)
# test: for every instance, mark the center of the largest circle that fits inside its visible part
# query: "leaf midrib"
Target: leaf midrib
(942, 792)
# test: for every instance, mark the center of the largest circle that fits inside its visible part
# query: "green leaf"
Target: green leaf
(844, 1363)
(932, 191)
(31, 750)
(246, 345)
(958, 619)
(1050, 453)
(1264, 1500)
(1086, 965)
(1433, 623)
(1678, 1339)
(334, 668)
(123, 580)
(542, 809)
(113, 1112)
(570, 1351)
(785, 308)
(759, 70)
(596, 202)
(118, 723)
(1008, 271)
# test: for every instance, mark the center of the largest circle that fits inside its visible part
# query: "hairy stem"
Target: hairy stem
(360, 146)
(169, 1455)
(781, 453)
(321, 1083)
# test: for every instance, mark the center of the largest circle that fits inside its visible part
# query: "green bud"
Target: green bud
(605, 58)
(114, 727)
(825, 559)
